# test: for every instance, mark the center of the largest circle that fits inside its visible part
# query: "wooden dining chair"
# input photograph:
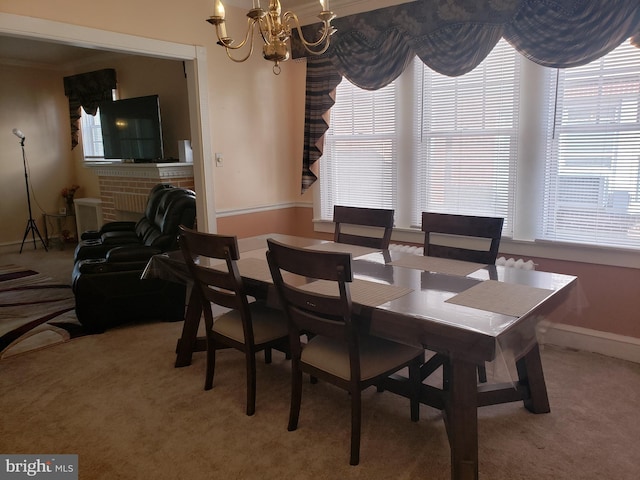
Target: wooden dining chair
(463, 226)
(247, 327)
(339, 351)
(458, 229)
(380, 221)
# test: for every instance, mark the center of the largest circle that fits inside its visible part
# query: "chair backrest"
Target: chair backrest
(489, 228)
(177, 207)
(327, 314)
(381, 218)
(222, 286)
(153, 200)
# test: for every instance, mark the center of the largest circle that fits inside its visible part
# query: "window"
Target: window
(592, 176)
(91, 136)
(92, 133)
(455, 145)
(467, 138)
(363, 136)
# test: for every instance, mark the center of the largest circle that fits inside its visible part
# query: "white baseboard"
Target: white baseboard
(604, 343)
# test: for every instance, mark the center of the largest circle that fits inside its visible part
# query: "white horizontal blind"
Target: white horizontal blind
(91, 131)
(592, 175)
(358, 167)
(466, 139)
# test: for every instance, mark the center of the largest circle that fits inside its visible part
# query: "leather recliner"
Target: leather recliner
(106, 278)
(96, 244)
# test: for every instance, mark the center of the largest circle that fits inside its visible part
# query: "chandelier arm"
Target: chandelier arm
(326, 32)
(239, 60)
(228, 43)
(264, 26)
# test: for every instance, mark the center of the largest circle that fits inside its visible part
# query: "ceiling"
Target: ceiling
(46, 54)
(40, 53)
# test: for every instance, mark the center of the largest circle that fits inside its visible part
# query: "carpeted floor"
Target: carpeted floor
(116, 400)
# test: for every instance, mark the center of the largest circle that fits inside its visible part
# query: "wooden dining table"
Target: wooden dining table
(466, 314)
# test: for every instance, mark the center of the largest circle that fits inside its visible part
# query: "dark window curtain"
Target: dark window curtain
(322, 80)
(453, 37)
(87, 90)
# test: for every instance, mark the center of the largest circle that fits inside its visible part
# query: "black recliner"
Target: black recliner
(96, 243)
(106, 278)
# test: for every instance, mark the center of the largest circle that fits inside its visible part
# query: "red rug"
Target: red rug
(35, 312)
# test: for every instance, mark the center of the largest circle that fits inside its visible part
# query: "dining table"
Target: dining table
(467, 314)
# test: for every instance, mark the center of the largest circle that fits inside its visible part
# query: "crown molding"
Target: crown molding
(307, 10)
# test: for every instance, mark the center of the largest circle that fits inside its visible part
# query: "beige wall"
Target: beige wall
(33, 101)
(256, 118)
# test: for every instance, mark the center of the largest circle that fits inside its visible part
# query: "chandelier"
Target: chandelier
(275, 29)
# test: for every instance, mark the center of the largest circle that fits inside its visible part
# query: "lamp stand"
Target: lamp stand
(31, 224)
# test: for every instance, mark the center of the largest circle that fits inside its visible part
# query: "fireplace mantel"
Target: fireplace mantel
(124, 187)
(142, 170)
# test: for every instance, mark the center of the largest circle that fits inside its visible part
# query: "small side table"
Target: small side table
(61, 223)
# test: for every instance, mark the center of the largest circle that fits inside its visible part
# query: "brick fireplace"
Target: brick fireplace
(124, 187)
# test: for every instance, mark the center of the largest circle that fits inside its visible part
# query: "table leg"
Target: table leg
(530, 374)
(46, 234)
(187, 342)
(461, 409)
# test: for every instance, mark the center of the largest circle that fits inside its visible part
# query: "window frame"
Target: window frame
(529, 188)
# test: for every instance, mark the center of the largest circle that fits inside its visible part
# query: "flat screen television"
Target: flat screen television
(132, 129)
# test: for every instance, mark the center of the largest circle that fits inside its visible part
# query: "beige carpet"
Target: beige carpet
(117, 401)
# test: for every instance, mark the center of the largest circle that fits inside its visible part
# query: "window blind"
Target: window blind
(466, 139)
(359, 165)
(91, 131)
(592, 174)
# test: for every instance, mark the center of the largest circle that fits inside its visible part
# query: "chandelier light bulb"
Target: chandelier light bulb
(218, 9)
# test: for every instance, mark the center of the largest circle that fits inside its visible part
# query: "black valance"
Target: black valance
(452, 37)
(87, 90)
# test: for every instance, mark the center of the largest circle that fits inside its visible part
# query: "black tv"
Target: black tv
(132, 129)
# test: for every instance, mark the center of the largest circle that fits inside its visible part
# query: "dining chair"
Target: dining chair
(339, 351)
(460, 227)
(249, 327)
(379, 218)
(458, 230)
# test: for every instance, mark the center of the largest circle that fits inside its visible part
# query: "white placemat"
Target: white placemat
(250, 267)
(363, 292)
(499, 297)
(354, 250)
(438, 265)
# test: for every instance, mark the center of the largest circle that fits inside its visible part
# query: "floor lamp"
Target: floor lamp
(31, 224)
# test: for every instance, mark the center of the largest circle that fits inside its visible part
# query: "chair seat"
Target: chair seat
(268, 324)
(377, 356)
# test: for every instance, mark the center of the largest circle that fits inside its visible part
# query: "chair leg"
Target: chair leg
(482, 374)
(267, 355)
(251, 383)
(211, 364)
(296, 395)
(356, 419)
(415, 381)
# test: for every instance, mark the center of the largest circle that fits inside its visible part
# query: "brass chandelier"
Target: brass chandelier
(275, 29)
